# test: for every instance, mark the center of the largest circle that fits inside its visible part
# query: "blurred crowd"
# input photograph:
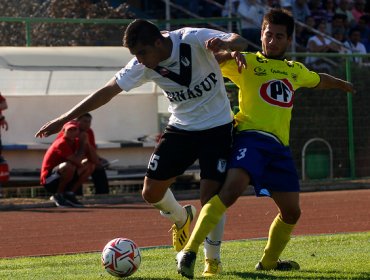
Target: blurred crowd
(337, 19)
(63, 34)
(343, 24)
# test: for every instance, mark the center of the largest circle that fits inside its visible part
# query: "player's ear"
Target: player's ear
(158, 43)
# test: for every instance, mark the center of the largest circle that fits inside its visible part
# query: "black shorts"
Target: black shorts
(178, 149)
(52, 181)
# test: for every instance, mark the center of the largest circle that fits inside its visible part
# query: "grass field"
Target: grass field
(339, 256)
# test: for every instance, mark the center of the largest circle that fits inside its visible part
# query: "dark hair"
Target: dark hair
(280, 17)
(141, 31)
(87, 115)
(353, 30)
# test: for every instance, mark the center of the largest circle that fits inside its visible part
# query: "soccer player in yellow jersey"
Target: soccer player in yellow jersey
(261, 155)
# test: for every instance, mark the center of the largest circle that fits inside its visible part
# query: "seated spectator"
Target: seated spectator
(339, 23)
(320, 43)
(364, 27)
(251, 14)
(230, 6)
(303, 33)
(3, 122)
(344, 8)
(286, 4)
(317, 10)
(329, 8)
(65, 167)
(358, 9)
(354, 45)
(99, 175)
(300, 10)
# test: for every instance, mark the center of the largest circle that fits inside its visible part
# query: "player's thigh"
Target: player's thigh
(174, 153)
(214, 150)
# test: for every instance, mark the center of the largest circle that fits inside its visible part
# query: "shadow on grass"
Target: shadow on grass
(303, 274)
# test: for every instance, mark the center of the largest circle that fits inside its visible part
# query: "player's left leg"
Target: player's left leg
(280, 232)
(167, 162)
(215, 148)
(212, 243)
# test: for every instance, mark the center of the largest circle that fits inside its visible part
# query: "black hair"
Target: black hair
(141, 31)
(279, 16)
(88, 115)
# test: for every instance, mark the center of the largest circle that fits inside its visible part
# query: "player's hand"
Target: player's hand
(348, 87)
(216, 45)
(240, 60)
(83, 137)
(4, 125)
(50, 128)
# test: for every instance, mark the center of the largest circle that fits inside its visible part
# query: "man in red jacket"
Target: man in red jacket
(65, 167)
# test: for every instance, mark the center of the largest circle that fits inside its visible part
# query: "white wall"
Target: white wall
(41, 83)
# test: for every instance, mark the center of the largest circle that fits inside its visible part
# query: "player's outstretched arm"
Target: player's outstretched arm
(235, 43)
(90, 103)
(239, 58)
(329, 82)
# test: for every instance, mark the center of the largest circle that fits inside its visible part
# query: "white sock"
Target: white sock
(171, 209)
(212, 244)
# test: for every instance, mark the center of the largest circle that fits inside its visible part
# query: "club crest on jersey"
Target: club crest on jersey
(163, 71)
(221, 165)
(185, 61)
(278, 92)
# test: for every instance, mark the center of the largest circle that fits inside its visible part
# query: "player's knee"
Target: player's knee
(292, 216)
(154, 190)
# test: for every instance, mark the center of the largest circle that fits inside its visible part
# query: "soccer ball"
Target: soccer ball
(121, 257)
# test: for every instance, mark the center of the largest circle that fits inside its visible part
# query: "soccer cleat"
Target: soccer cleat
(212, 267)
(186, 263)
(180, 236)
(281, 265)
(59, 200)
(71, 199)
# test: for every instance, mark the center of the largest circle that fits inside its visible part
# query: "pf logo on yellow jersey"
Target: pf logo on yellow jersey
(278, 93)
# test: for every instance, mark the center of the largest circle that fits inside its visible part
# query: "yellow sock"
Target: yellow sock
(279, 236)
(209, 216)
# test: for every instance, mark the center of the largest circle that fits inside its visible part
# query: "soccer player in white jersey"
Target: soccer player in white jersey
(261, 155)
(200, 125)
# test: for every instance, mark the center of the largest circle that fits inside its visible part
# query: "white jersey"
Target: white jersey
(193, 83)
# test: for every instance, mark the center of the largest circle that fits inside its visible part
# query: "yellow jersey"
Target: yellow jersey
(266, 92)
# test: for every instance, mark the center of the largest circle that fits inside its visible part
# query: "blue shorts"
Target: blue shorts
(268, 162)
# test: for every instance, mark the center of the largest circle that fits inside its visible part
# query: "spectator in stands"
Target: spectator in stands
(230, 6)
(99, 175)
(3, 122)
(358, 10)
(251, 13)
(317, 10)
(329, 8)
(363, 26)
(303, 33)
(65, 167)
(300, 10)
(354, 45)
(344, 8)
(286, 4)
(320, 43)
(191, 6)
(338, 25)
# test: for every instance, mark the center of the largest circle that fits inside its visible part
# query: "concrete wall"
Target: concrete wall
(41, 83)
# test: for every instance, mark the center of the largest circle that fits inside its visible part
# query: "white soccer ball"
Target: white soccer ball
(121, 257)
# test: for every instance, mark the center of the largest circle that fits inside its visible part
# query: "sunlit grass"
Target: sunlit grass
(339, 256)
